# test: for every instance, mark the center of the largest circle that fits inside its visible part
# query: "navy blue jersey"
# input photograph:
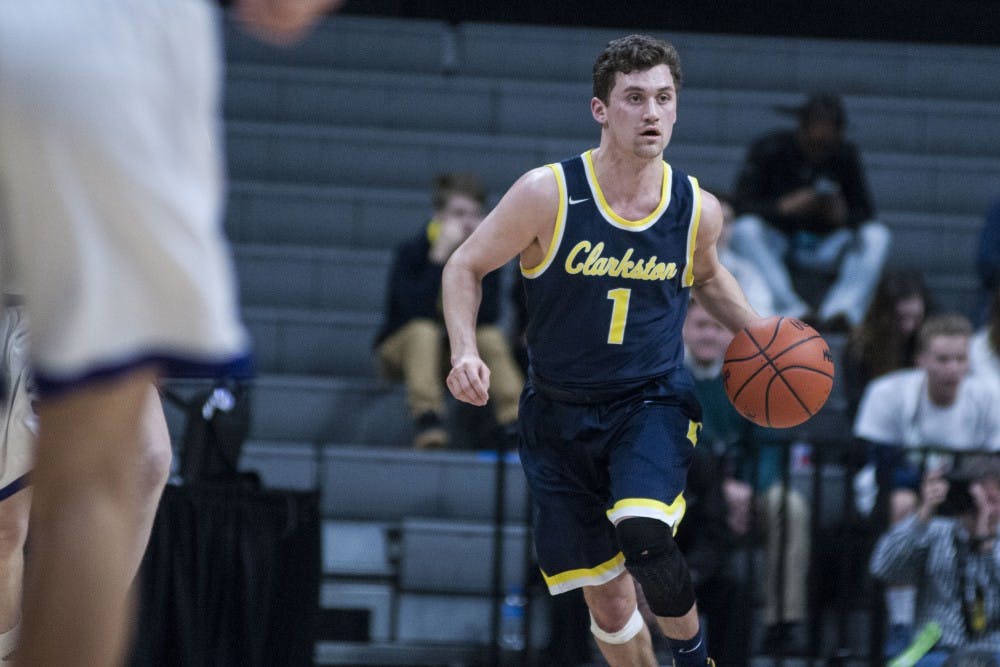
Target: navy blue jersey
(606, 305)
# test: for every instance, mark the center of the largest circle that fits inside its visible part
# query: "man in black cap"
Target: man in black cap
(804, 206)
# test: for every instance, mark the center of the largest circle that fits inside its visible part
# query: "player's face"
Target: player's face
(706, 340)
(641, 111)
(946, 360)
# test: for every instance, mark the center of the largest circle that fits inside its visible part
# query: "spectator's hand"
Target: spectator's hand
(739, 505)
(933, 491)
(987, 508)
(469, 380)
(799, 202)
(282, 21)
(452, 234)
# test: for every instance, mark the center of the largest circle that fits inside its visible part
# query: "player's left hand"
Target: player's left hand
(282, 21)
(469, 380)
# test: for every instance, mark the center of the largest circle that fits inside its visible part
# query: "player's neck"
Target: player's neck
(626, 176)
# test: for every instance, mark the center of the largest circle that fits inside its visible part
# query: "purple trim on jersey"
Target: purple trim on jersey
(240, 367)
(15, 486)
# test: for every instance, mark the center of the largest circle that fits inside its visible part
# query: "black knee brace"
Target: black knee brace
(652, 557)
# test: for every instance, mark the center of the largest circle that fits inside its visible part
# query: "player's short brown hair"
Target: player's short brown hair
(629, 54)
(458, 183)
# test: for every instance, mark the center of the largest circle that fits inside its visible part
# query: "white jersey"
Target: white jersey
(895, 410)
(111, 188)
(17, 446)
(983, 361)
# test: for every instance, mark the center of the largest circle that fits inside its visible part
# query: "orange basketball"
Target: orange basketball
(778, 372)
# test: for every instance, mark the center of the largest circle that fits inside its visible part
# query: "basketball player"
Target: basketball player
(16, 452)
(611, 242)
(110, 199)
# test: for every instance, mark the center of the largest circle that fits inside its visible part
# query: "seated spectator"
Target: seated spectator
(936, 404)
(948, 550)
(755, 287)
(984, 350)
(742, 445)
(988, 254)
(412, 344)
(884, 341)
(886, 338)
(803, 207)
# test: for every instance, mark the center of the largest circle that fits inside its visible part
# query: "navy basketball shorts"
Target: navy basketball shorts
(589, 466)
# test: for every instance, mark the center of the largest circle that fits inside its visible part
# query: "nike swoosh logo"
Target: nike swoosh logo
(577, 201)
(696, 647)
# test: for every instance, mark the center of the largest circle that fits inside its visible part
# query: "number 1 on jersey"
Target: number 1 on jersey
(619, 314)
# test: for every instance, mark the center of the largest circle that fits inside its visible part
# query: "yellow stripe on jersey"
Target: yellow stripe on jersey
(688, 279)
(614, 218)
(587, 576)
(653, 509)
(557, 231)
(693, 428)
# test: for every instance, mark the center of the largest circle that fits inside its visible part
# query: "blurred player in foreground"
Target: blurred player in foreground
(17, 445)
(110, 192)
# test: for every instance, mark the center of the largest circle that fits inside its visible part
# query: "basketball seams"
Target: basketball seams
(791, 390)
(770, 360)
(760, 352)
(810, 369)
(763, 351)
(755, 337)
(774, 336)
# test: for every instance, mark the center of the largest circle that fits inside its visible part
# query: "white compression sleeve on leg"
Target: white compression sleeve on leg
(631, 629)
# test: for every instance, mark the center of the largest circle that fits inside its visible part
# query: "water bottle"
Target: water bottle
(801, 458)
(512, 620)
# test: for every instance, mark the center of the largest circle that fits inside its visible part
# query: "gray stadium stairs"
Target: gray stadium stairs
(332, 145)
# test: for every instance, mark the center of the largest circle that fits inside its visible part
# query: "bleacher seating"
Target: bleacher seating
(331, 148)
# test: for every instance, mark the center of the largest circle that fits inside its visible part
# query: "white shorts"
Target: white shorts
(17, 446)
(111, 188)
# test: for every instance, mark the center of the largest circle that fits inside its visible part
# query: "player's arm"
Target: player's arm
(521, 223)
(714, 286)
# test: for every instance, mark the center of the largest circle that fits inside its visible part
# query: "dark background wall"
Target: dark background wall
(943, 21)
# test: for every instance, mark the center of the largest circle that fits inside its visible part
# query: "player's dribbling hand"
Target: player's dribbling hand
(469, 380)
(282, 21)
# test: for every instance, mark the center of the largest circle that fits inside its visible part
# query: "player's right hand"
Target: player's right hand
(469, 380)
